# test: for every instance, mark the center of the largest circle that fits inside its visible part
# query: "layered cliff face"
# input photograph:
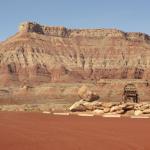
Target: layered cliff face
(40, 54)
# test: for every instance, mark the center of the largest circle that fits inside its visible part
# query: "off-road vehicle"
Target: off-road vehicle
(130, 93)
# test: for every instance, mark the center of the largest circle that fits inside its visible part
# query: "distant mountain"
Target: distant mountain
(41, 54)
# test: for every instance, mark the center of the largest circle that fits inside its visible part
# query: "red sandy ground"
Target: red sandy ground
(35, 131)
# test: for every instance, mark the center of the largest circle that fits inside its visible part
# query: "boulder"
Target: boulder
(84, 105)
(144, 107)
(97, 103)
(87, 94)
(98, 112)
(138, 112)
(91, 96)
(146, 111)
(108, 105)
(89, 105)
(82, 91)
(127, 106)
(137, 107)
(115, 108)
(121, 111)
(106, 110)
(78, 106)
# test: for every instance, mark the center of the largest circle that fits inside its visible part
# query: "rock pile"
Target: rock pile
(98, 107)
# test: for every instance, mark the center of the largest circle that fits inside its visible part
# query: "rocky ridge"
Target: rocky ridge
(112, 108)
(60, 31)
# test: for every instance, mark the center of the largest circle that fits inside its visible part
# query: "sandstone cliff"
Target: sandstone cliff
(40, 54)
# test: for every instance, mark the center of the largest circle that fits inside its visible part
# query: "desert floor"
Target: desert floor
(36, 131)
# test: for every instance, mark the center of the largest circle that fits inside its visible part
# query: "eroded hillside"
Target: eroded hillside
(41, 54)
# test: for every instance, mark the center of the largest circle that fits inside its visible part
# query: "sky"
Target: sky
(126, 15)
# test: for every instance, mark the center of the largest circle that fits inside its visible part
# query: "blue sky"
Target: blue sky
(127, 15)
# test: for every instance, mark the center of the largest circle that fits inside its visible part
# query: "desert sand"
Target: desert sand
(36, 131)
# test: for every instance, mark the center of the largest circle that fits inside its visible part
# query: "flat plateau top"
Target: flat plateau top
(36, 131)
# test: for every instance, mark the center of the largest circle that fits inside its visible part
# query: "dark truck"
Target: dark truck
(130, 93)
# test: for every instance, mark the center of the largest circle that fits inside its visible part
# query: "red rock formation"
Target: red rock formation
(40, 54)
